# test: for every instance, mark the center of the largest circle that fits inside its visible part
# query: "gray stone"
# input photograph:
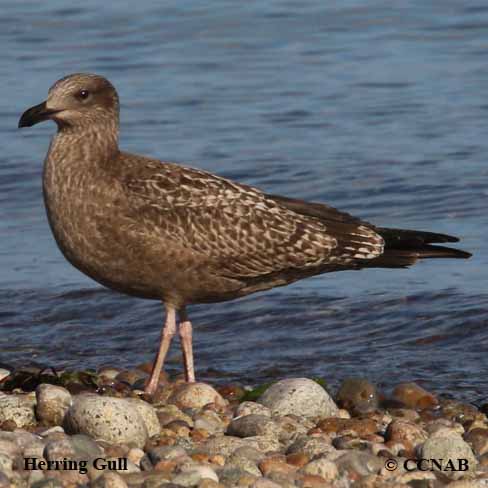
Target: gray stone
(251, 425)
(85, 447)
(59, 449)
(247, 452)
(230, 475)
(222, 445)
(187, 479)
(113, 420)
(311, 446)
(210, 421)
(148, 414)
(18, 408)
(243, 464)
(362, 463)
(299, 396)
(164, 453)
(449, 447)
(52, 403)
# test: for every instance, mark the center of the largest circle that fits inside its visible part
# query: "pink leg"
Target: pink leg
(187, 346)
(167, 334)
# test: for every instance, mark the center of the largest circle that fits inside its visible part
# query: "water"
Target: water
(377, 109)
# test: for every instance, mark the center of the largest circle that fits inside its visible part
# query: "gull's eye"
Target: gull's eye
(83, 94)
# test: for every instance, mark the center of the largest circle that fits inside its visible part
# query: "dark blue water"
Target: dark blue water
(376, 109)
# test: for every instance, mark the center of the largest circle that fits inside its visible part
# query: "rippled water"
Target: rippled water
(379, 110)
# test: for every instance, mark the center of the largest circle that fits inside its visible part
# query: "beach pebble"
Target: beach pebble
(298, 396)
(165, 453)
(244, 464)
(409, 434)
(148, 414)
(113, 420)
(52, 403)
(357, 396)
(222, 445)
(321, 467)
(17, 408)
(187, 478)
(449, 447)
(248, 408)
(359, 462)
(311, 446)
(59, 449)
(209, 421)
(195, 395)
(414, 396)
(251, 425)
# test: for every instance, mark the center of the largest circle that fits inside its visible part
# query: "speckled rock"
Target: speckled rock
(148, 414)
(449, 447)
(107, 418)
(299, 396)
(264, 443)
(52, 403)
(222, 445)
(18, 408)
(321, 467)
(195, 395)
(59, 449)
(357, 396)
(250, 425)
(312, 446)
(248, 408)
(165, 453)
(209, 421)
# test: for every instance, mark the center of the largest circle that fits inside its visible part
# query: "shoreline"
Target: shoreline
(83, 428)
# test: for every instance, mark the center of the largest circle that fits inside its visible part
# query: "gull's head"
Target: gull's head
(78, 100)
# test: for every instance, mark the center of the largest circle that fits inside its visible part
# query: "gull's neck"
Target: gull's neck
(94, 143)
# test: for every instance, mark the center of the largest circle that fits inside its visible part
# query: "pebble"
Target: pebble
(148, 414)
(252, 425)
(248, 408)
(414, 396)
(409, 434)
(52, 403)
(196, 395)
(298, 396)
(357, 396)
(311, 446)
(107, 418)
(361, 463)
(19, 409)
(449, 447)
(322, 467)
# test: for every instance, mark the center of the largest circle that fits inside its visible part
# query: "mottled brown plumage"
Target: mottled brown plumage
(159, 230)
